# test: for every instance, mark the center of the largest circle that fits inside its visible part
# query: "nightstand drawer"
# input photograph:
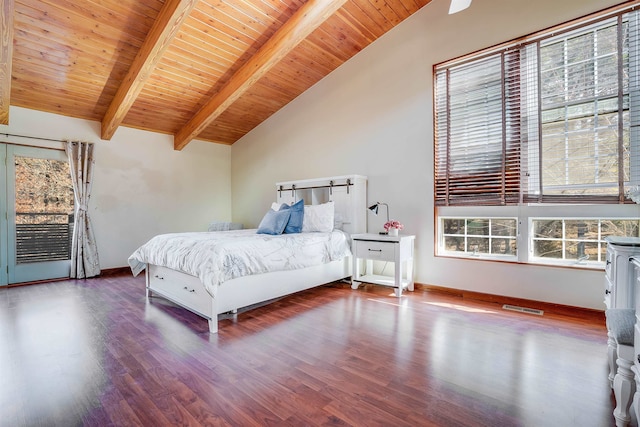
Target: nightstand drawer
(382, 251)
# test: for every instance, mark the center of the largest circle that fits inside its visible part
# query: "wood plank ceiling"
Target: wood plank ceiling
(205, 69)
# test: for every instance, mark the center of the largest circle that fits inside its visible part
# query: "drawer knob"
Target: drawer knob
(189, 290)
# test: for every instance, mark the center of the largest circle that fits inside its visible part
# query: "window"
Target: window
(477, 159)
(479, 236)
(584, 107)
(548, 120)
(580, 240)
(529, 132)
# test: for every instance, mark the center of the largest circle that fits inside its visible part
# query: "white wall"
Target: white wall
(374, 116)
(142, 187)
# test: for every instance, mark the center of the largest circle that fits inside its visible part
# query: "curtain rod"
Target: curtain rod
(330, 186)
(9, 135)
(31, 137)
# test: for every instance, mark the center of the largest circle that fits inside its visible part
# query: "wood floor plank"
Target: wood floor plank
(96, 352)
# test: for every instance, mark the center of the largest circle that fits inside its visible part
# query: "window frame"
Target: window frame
(479, 255)
(531, 206)
(525, 214)
(473, 189)
(570, 261)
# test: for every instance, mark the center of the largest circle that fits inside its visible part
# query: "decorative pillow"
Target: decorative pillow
(274, 222)
(295, 220)
(318, 218)
(276, 206)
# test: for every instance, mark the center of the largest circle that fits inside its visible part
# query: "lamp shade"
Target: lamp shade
(374, 208)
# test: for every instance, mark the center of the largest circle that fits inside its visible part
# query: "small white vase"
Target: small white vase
(393, 232)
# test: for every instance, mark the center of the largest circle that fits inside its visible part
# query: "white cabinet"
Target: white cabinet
(619, 286)
(380, 247)
(635, 369)
(619, 280)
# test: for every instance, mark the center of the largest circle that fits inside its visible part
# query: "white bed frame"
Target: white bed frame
(349, 194)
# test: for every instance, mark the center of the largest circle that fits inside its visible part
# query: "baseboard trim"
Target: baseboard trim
(106, 272)
(547, 307)
(37, 282)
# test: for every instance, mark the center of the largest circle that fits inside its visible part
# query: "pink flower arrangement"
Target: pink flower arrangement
(393, 224)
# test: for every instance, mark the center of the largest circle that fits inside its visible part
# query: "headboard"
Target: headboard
(348, 193)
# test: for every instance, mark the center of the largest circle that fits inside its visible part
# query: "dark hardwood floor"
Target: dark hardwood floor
(95, 352)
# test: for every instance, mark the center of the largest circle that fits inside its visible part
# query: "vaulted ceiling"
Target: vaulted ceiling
(205, 69)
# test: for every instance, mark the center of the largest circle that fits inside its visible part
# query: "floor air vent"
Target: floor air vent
(523, 309)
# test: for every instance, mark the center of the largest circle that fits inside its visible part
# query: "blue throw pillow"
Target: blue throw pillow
(274, 222)
(295, 220)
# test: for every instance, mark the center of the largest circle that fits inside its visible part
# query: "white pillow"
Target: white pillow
(318, 218)
(338, 221)
(276, 206)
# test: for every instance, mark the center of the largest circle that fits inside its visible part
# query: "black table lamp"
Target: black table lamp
(374, 208)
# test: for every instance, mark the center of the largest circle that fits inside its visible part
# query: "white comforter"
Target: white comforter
(215, 257)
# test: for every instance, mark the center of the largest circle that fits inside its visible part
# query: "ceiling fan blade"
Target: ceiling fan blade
(458, 5)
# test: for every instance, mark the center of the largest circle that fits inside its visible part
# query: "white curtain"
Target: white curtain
(84, 251)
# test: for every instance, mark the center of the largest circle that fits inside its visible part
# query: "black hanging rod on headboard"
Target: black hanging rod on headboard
(331, 185)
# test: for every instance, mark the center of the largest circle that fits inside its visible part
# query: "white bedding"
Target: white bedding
(215, 257)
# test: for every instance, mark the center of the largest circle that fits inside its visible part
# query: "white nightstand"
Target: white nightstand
(380, 247)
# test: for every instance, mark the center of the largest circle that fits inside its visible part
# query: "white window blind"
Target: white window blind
(553, 119)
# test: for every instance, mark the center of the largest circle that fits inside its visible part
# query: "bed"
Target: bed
(242, 268)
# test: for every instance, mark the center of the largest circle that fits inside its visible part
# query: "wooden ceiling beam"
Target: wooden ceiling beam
(302, 23)
(6, 55)
(166, 26)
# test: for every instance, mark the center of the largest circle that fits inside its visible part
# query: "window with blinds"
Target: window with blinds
(552, 119)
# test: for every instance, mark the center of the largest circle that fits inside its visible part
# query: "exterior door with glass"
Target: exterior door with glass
(38, 214)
